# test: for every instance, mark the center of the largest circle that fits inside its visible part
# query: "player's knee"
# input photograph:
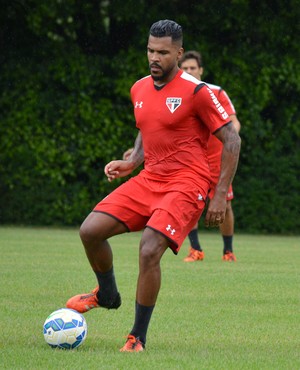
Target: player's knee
(152, 247)
(148, 255)
(88, 233)
(85, 233)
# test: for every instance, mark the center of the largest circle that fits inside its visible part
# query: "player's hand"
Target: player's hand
(115, 169)
(126, 154)
(215, 214)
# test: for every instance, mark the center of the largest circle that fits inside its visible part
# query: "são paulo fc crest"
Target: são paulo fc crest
(173, 103)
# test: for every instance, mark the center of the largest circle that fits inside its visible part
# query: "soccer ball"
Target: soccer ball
(65, 328)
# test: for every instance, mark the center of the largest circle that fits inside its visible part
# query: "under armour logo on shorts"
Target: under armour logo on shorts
(169, 228)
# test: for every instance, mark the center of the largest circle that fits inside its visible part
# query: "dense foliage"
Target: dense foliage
(66, 70)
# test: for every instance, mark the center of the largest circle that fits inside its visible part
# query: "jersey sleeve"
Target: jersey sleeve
(209, 109)
(226, 102)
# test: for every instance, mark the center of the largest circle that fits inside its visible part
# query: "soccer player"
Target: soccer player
(175, 114)
(191, 62)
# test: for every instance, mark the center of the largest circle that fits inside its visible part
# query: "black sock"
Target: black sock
(227, 243)
(193, 236)
(108, 287)
(141, 322)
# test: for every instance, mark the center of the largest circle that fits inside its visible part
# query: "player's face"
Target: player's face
(191, 66)
(163, 56)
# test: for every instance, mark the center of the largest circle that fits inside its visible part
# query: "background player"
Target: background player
(191, 62)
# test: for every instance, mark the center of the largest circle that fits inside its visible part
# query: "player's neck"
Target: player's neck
(167, 79)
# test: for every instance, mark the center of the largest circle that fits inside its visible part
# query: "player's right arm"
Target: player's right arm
(137, 155)
(126, 154)
(122, 168)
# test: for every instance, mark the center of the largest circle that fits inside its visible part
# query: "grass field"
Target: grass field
(209, 315)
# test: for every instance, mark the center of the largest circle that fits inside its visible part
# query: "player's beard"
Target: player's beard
(163, 76)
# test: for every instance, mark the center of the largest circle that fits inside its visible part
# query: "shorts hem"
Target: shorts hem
(172, 245)
(116, 218)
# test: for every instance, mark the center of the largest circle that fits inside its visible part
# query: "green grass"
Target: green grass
(209, 315)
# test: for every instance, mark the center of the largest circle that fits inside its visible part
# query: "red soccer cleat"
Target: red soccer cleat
(194, 255)
(85, 302)
(132, 344)
(229, 257)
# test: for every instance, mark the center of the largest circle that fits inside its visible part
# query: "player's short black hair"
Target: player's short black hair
(164, 28)
(192, 54)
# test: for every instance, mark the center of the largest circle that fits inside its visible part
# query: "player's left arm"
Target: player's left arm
(230, 155)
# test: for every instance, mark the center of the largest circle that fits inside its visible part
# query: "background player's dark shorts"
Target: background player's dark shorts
(171, 208)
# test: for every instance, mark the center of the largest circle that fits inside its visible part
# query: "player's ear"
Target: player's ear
(180, 53)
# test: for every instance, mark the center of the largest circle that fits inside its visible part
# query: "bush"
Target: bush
(65, 110)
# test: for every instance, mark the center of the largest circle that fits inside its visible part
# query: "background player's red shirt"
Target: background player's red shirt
(175, 122)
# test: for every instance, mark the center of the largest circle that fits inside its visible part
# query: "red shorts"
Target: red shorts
(170, 208)
(215, 172)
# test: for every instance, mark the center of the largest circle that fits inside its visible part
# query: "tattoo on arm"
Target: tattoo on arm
(230, 154)
(138, 151)
(231, 140)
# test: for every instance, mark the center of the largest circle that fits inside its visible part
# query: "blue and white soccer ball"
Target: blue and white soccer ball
(65, 328)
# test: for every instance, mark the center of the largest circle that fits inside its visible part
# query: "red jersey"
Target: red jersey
(176, 122)
(215, 146)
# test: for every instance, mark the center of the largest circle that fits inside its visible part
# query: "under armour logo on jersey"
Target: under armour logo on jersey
(138, 104)
(169, 228)
(173, 103)
(200, 197)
